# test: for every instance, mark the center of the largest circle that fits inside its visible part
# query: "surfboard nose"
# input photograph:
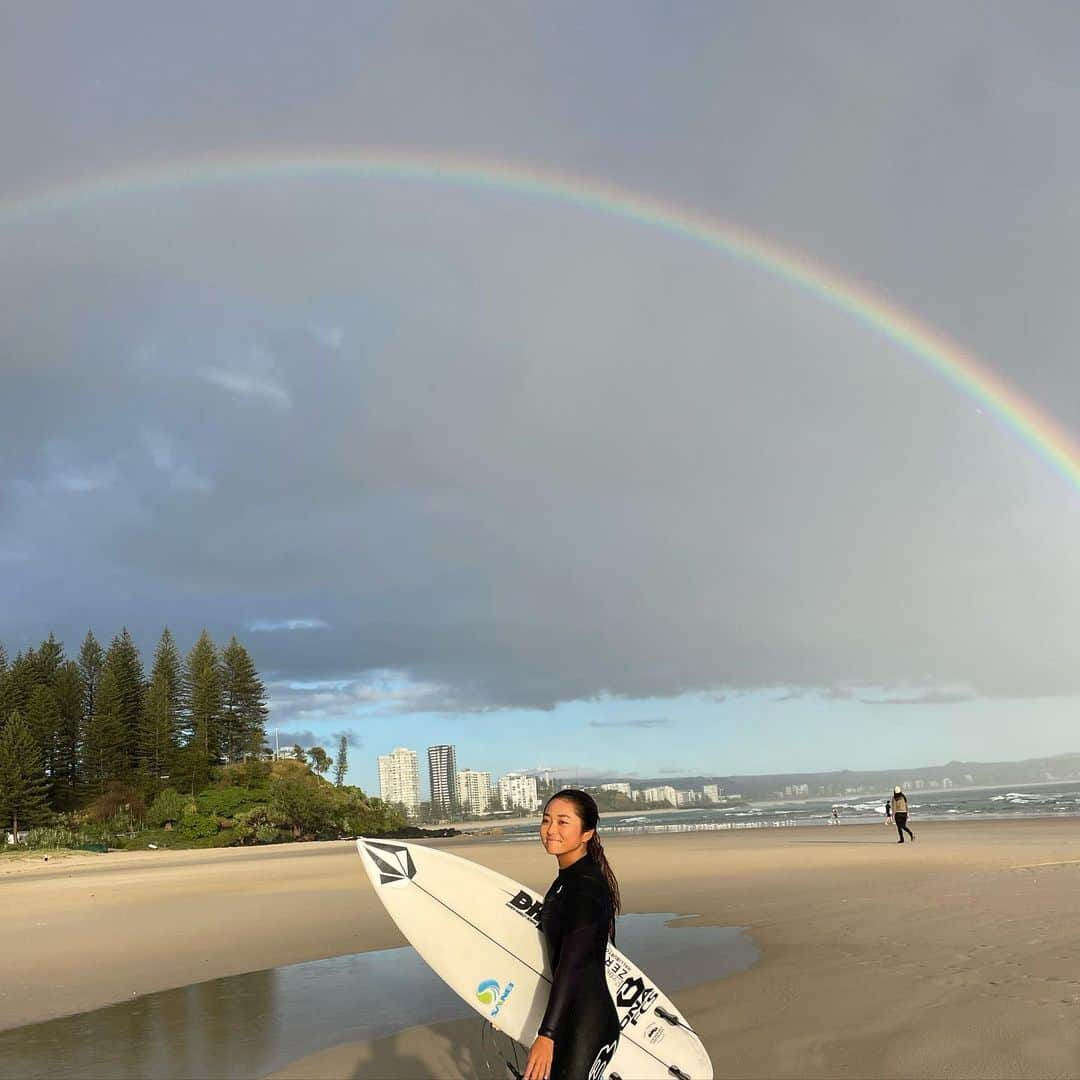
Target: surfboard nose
(386, 862)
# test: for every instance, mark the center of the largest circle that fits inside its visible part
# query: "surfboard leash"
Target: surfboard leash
(512, 1066)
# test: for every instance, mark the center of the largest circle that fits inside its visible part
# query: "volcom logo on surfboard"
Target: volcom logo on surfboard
(394, 863)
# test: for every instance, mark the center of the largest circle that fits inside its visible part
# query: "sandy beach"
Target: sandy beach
(955, 957)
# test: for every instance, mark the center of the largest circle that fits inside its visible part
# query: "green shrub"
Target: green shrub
(167, 807)
(223, 802)
(196, 826)
(55, 837)
(95, 833)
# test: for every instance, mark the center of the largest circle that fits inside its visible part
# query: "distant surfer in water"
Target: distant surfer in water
(580, 1030)
(900, 812)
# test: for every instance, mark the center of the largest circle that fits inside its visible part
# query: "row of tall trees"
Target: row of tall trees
(72, 727)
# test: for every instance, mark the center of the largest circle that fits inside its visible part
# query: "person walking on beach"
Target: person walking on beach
(580, 1031)
(888, 811)
(836, 815)
(900, 812)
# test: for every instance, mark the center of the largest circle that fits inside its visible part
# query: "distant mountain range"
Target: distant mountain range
(1064, 767)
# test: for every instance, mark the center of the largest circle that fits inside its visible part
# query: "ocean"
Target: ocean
(1019, 801)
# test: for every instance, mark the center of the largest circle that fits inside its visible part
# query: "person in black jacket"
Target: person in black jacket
(580, 1030)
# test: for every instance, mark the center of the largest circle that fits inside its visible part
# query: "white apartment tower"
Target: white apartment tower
(474, 790)
(518, 790)
(399, 779)
(661, 794)
(442, 769)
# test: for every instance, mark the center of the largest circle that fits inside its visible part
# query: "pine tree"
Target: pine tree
(244, 708)
(22, 778)
(5, 669)
(342, 763)
(43, 722)
(104, 756)
(126, 665)
(21, 680)
(47, 661)
(66, 779)
(91, 661)
(160, 728)
(202, 707)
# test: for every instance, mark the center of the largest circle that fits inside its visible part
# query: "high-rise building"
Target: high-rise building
(518, 790)
(661, 794)
(620, 787)
(442, 769)
(474, 790)
(399, 779)
(712, 792)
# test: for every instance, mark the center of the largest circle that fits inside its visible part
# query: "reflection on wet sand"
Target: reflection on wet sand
(250, 1025)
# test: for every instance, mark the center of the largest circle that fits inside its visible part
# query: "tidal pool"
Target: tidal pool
(250, 1025)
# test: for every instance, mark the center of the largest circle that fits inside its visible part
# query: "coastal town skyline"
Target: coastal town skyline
(696, 788)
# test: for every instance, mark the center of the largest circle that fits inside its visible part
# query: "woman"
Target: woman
(900, 812)
(580, 1030)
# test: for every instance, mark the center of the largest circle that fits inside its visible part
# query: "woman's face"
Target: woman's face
(561, 828)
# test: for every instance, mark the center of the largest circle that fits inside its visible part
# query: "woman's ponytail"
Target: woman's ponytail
(596, 850)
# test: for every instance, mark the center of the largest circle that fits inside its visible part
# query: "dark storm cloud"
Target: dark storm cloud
(351, 738)
(508, 453)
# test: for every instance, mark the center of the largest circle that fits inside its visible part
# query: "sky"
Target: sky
(463, 463)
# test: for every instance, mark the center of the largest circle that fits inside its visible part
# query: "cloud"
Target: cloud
(329, 337)
(523, 452)
(271, 626)
(371, 696)
(84, 480)
(927, 697)
(353, 740)
(248, 386)
(163, 457)
(647, 722)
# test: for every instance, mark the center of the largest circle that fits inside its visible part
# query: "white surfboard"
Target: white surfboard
(478, 930)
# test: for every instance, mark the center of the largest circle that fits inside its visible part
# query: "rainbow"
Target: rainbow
(946, 359)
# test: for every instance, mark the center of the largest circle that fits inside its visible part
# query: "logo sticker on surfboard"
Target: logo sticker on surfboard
(393, 862)
(490, 994)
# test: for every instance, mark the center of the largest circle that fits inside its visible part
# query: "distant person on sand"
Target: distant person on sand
(900, 812)
(836, 815)
(888, 811)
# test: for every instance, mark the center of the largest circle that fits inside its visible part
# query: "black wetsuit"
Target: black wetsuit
(581, 1016)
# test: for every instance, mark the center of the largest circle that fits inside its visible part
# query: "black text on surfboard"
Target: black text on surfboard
(527, 905)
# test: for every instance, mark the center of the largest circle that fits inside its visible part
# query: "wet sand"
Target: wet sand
(957, 956)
